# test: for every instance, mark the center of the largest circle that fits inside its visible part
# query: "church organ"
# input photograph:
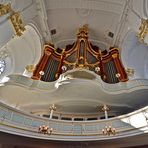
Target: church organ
(81, 54)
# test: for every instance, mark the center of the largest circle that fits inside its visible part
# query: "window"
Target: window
(2, 66)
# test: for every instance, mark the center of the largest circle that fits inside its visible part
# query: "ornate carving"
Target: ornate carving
(53, 107)
(83, 31)
(4, 9)
(14, 18)
(45, 129)
(82, 54)
(143, 30)
(109, 130)
(29, 68)
(17, 23)
(129, 71)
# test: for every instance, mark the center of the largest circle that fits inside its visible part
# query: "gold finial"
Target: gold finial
(105, 108)
(84, 28)
(83, 31)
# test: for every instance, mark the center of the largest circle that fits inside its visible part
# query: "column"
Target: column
(52, 109)
(105, 109)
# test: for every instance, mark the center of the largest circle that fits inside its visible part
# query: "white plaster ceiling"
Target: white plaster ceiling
(102, 17)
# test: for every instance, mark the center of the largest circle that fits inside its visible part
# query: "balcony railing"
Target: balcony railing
(20, 123)
(133, 85)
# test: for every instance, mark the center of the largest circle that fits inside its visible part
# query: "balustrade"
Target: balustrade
(18, 122)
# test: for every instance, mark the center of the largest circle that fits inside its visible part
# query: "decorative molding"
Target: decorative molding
(108, 6)
(4, 9)
(14, 17)
(30, 68)
(132, 85)
(143, 30)
(20, 123)
(4, 54)
(43, 21)
(129, 71)
(17, 23)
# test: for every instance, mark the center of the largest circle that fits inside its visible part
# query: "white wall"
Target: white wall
(22, 51)
(135, 55)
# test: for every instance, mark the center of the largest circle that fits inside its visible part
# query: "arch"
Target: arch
(22, 51)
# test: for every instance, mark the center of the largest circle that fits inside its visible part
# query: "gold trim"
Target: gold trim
(68, 63)
(30, 68)
(143, 30)
(4, 9)
(51, 47)
(83, 31)
(115, 55)
(71, 133)
(48, 53)
(17, 23)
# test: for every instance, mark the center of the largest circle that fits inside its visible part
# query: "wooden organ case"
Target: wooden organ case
(81, 54)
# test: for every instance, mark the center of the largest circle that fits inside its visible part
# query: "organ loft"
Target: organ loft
(81, 54)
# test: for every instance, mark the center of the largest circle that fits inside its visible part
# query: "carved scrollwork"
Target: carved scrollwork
(143, 30)
(14, 17)
(4, 9)
(17, 23)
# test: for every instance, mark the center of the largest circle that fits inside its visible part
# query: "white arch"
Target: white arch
(22, 51)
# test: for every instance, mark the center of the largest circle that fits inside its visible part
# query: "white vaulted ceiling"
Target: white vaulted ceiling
(102, 17)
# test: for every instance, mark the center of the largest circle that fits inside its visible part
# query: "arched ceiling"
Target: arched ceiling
(59, 20)
(102, 17)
